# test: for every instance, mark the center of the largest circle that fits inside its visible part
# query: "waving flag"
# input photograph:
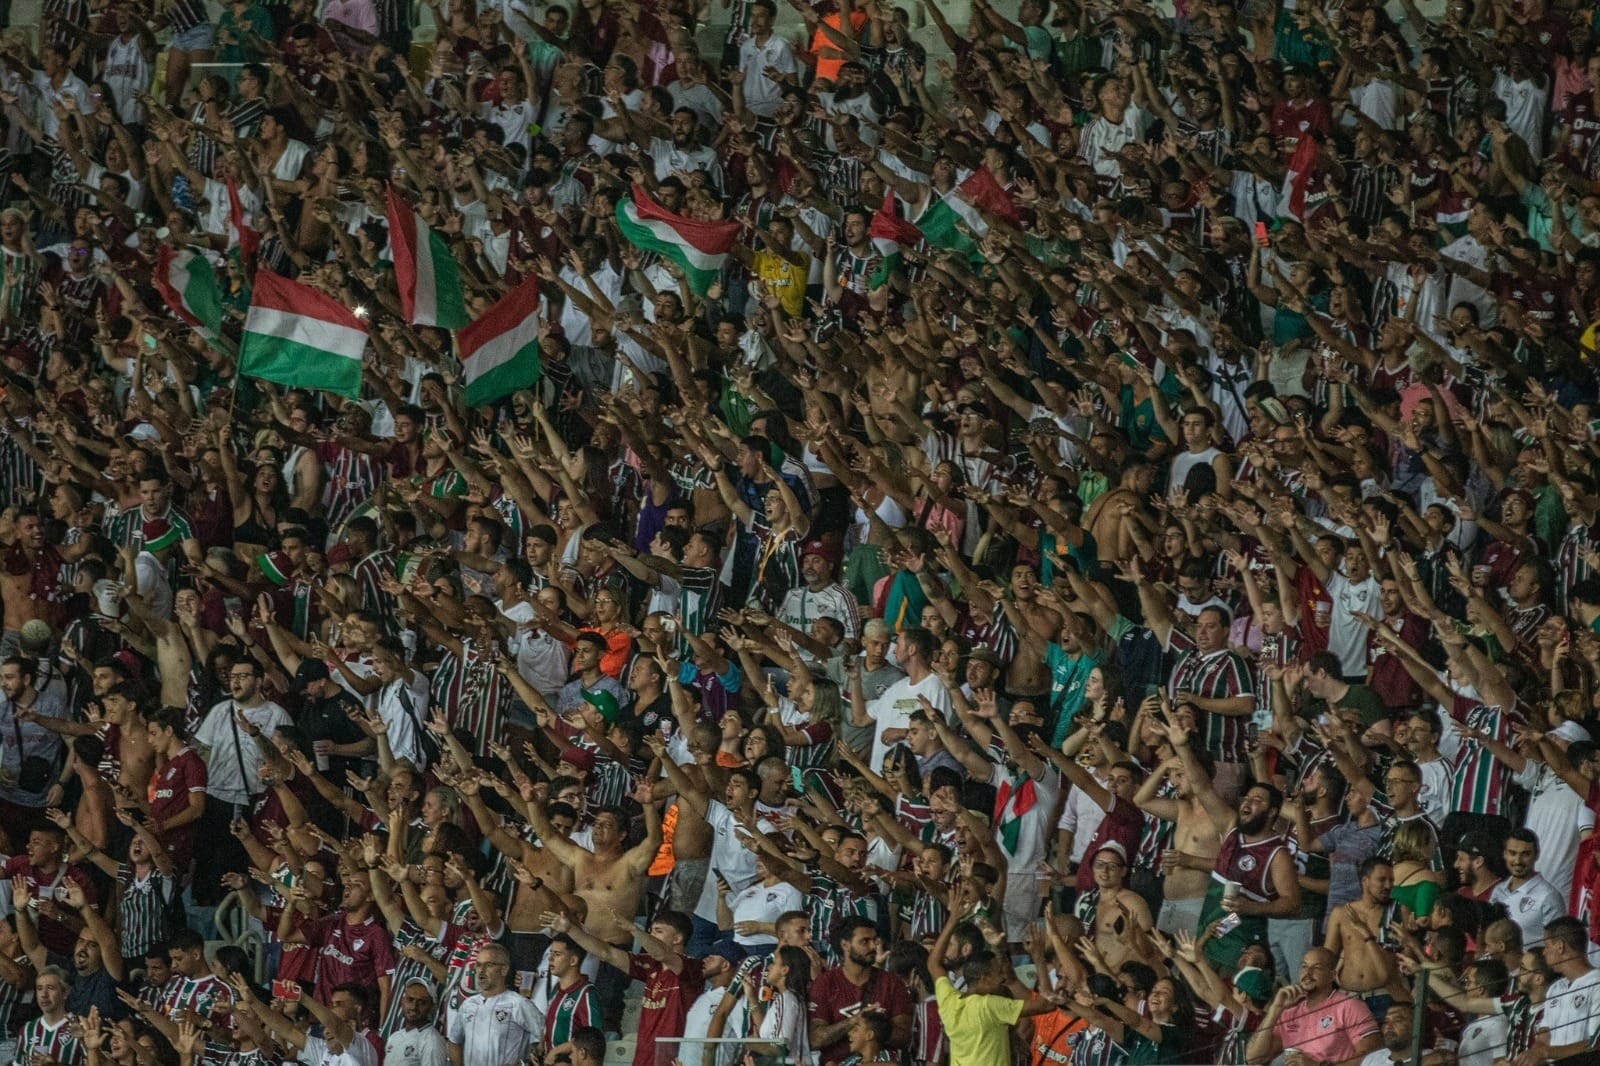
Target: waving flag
(500, 350)
(890, 233)
(699, 248)
(302, 338)
(424, 269)
(187, 283)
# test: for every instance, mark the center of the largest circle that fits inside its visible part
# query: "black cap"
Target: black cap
(310, 670)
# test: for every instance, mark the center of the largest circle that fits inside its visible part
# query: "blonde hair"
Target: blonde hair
(1413, 843)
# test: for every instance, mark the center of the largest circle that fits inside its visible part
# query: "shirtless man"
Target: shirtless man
(128, 750)
(1116, 910)
(610, 879)
(30, 578)
(1111, 516)
(1028, 675)
(1359, 932)
(543, 880)
(1188, 861)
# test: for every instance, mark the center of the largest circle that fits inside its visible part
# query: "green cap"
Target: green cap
(605, 703)
(1254, 982)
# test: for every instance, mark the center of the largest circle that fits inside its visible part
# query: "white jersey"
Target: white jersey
(127, 73)
(494, 1030)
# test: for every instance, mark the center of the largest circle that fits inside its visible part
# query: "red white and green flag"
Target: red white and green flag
(240, 236)
(301, 338)
(890, 233)
(424, 269)
(500, 349)
(699, 248)
(187, 282)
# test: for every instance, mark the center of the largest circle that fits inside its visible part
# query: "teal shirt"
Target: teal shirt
(1086, 555)
(1068, 676)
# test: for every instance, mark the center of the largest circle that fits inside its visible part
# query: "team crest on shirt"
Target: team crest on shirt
(1525, 904)
(358, 944)
(1325, 1022)
(502, 1015)
(1247, 863)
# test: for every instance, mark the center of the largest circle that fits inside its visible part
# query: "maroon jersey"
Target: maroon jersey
(42, 885)
(667, 996)
(361, 953)
(834, 998)
(170, 788)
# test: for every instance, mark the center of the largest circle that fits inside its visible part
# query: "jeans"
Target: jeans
(701, 940)
(610, 984)
(1290, 939)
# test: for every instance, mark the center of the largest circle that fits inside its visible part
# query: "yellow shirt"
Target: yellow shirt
(979, 1027)
(785, 280)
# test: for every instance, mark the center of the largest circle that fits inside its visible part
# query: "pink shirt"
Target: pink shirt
(1329, 1031)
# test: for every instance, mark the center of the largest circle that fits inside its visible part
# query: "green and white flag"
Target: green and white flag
(301, 338)
(188, 284)
(699, 248)
(500, 351)
(424, 269)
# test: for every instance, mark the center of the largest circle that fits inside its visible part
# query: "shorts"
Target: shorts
(1180, 916)
(1022, 904)
(199, 38)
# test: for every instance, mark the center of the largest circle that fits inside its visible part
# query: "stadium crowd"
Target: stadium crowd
(1073, 552)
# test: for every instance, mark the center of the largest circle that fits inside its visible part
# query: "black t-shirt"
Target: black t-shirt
(327, 719)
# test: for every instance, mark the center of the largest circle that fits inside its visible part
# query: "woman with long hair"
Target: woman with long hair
(782, 1022)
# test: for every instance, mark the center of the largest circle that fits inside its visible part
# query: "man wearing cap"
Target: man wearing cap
(417, 1042)
(819, 595)
(336, 742)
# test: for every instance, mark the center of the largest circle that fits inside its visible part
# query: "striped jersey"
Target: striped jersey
(1478, 781)
(53, 1042)
(406, 970)
(1220, 675)
(570, 1009)
(828, 904)
(1570, 567)
(142, 904)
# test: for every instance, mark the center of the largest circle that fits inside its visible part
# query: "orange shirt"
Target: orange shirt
(821, 42)
(619, 649)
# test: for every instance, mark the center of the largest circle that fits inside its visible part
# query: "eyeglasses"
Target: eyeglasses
(1108, 866)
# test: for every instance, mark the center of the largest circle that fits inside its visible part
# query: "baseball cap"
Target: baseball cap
(1254, 982)
(818, 547)
(339, 554)
(311, 670)
(984, 654)
(605, 703)
(578, 758)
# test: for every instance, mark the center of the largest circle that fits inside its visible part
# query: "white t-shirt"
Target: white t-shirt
(893, 710)
(785, 1023)
(318, 1053)
(762, 903)
(762, 95)
(1033, 839)
(217, 734)
(403, 705)
(1347, 637)
(1553, 817)
(729, 856)
(1572, 1009)
(494, 1031)
(1081, 816)
(696, 1024)
(416, 1047)
(1532, 906)
(1435, 795)
(1483, 1041)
